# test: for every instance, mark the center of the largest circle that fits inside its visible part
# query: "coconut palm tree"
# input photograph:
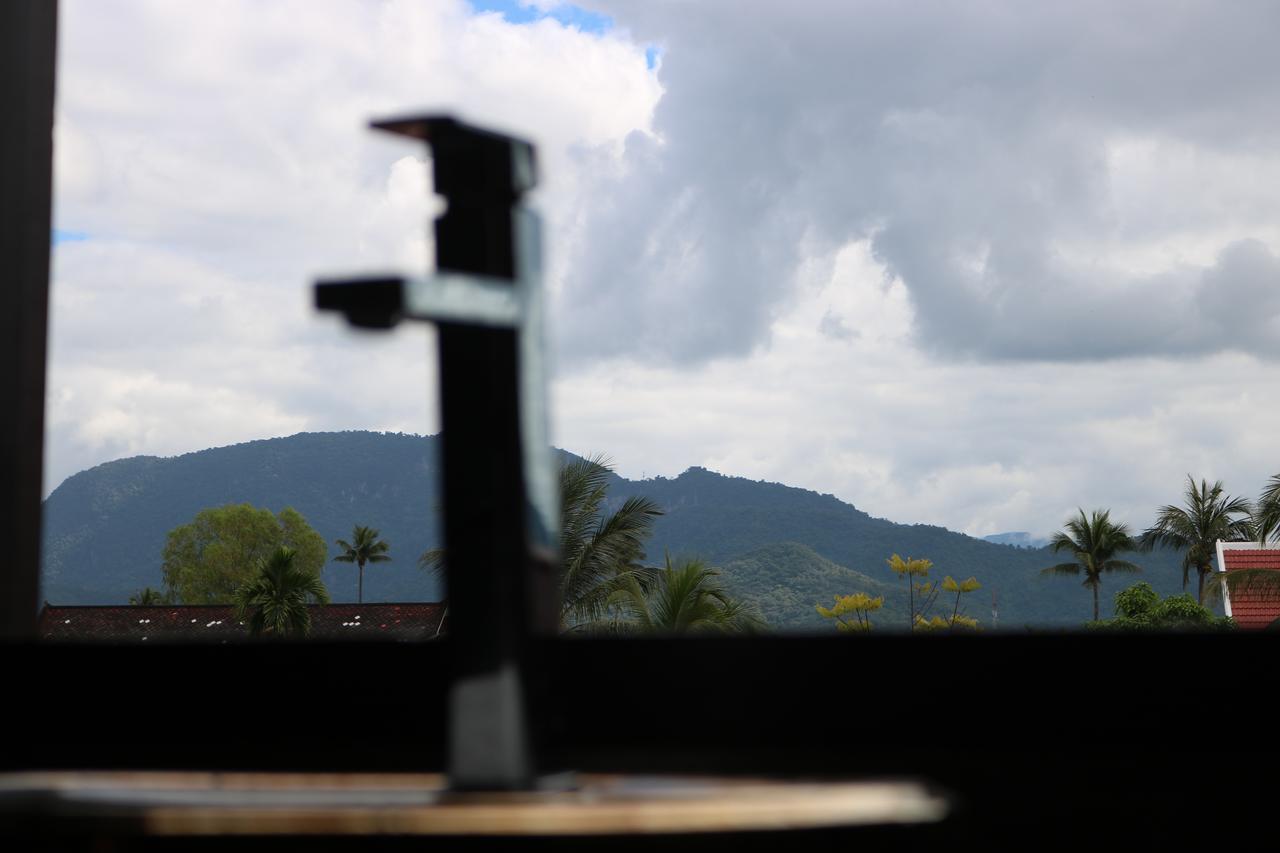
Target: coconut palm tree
(678, 599)
(1263, 583)
(1266, 514)
(364, 547)
(275, 599)
(1206, 516)
(597, 548)
(1093, 541)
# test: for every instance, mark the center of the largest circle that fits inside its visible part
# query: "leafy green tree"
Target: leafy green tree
(364, 547)
(1140, 608)
(149, 597)
(1206, 516)
(1093, 541)
(275, 600)
(683, 598)
(209, 558)
(599, 550)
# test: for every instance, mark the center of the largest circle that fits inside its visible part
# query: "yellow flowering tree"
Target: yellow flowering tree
(923, 588)
(853, 612)
(956, 620)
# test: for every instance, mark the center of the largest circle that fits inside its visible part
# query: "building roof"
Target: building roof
(1252, 608)
(217, 623)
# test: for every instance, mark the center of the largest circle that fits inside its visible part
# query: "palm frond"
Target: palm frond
(432, 560)
(1206, 516)
(1263, 583)
(1266, 516)
(274, 600)
(597, 547)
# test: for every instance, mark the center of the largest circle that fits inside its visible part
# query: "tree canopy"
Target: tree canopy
(853, 612)
(222, 548)
(683, 598)
(1140, 608)
(274, 600)
(364, 547)
(598, 549)
(1207, 515)
(1093, 541)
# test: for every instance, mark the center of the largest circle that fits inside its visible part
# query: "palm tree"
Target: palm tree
(598, 549)
(1208, 515)
(683, 598)
(275, 599)
(1263, 583)
(1266, 516)
(1093, 541)
(149, 597)
(364, 547)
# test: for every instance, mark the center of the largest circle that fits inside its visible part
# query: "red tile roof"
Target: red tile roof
(217, 622)
(1251, 609)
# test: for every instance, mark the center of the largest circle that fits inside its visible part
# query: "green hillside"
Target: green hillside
(786, 580)
(721, 518)
(783, 547)
(105, 528)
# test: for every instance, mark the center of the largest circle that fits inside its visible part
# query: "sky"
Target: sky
(973, 265)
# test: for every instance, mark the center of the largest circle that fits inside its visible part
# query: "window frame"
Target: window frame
(790, 705)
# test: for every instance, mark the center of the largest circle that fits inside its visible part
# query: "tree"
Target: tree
(1258, 583)
(853, 612)
(599, 550)
(1139, 608)
(149, 597)
(1266, 515)
(1207, 516)
(209, 558)
(275, 599)
(1093, 540)
(927, 592)
(683, 598)
(364, 547)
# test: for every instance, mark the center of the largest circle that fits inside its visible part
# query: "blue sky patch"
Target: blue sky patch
(60, 236)
(515, 12)
(651, 54)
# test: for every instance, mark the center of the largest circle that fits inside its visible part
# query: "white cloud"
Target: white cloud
(1095, 162)
(973, 266)
(217, 157)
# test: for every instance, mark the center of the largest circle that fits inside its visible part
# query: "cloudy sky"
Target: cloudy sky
(970, 264)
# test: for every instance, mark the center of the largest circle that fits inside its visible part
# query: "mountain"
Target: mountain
(786, 580)
(105, 528)
(1017, 538)
(783, 547)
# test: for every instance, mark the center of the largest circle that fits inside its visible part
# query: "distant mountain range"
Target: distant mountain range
(1018, 539)
(782, 547)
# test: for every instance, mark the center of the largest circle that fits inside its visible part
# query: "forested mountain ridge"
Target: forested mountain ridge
(105, 528)
(783, 547)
